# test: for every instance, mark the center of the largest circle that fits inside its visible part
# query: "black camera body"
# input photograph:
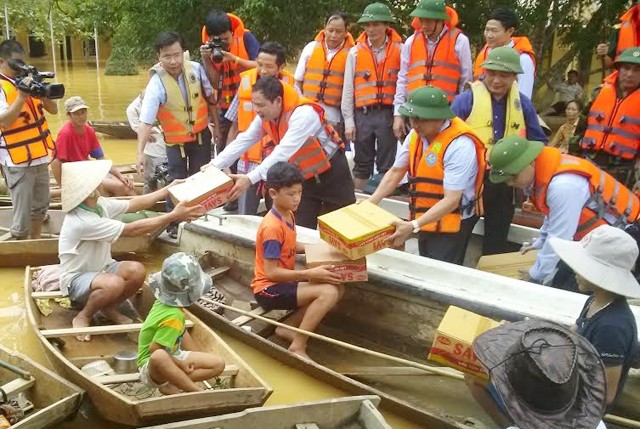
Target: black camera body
(37, 87)
(161, 175)
(217, 45)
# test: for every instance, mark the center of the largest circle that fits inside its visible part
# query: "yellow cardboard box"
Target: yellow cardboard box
(357, 230)
(453, 343)
(208, 188)
(323, 254)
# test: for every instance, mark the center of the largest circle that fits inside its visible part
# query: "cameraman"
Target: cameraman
(25, 144)
(239, 50)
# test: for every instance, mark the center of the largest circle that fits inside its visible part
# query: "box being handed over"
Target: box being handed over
(323, 254)
(357, 230)
(208, 188)
(454, 338)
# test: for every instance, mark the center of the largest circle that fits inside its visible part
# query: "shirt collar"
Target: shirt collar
(386, 39)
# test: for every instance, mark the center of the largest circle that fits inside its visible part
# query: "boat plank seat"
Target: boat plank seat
(217, 272)
(239, 321)
(18, 385)
(229, 371)
(48, 294)
(98, 330)
(307, 426)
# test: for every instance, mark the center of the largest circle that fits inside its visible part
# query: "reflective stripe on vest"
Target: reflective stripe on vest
(481, 117)
(441, 70)
(375, 83)
(181, 119)
(613, 124)
(246, 114)
(28, 137)
(313, 157)
(426, 176)
(520, 44)
(323, 80)
(609, 196)
(628, 36)
(230, 71)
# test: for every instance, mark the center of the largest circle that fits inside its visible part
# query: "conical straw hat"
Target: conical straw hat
(80, 179)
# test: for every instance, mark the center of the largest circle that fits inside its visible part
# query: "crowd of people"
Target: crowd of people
(465, 134)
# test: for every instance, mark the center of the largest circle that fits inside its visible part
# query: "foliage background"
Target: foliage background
(578, 25)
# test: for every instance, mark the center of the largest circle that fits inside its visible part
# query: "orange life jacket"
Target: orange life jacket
(426, 175)
(611, 196)
(613, 125)
(181, 119)
(442, 69)
(28, 137)
(323, 80)
(375, 83)
(628, 36)
(520, 44)
(230, 72)
(313, 158)
(246, 114)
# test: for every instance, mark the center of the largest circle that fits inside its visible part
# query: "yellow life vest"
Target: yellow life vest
(182, 119)
(481, 117)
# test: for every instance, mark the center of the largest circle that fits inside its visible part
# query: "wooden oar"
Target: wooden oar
(445, 372)
(16, 370)
(435, 370)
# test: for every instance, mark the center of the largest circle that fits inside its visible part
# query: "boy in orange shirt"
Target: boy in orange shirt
(276, 283)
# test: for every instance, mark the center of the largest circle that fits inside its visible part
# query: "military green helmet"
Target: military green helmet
(503, 59)
(510, 156)
(427, 102)
(433, 9)
(629, 56)
(376, 12)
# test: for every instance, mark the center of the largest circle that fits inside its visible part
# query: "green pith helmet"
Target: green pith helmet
(427, 102)
(503, 59)
(510, 156)
(629, 56)
(376, 12)
(434, 9)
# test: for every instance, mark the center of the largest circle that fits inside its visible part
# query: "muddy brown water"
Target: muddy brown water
(108, 97)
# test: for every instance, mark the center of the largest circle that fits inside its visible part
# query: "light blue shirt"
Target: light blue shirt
(155, 94)
(460, 166)
(566, 196)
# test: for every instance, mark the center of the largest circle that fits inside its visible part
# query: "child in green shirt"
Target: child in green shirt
(166, 357)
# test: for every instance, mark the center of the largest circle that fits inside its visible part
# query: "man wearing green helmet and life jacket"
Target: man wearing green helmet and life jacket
(612, 138)
(445, 160)
(436, 54)
(625, 35)
(370, 76)
(495, 108)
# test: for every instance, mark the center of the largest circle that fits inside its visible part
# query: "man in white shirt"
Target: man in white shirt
(89, 275)
(300, 135)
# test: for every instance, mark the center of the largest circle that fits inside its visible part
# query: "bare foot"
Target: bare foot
(301, 353)
(81, 322)
(284, 333)
(169, 389)
(116, 317)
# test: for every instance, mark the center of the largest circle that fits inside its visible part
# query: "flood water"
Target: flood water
(108, 97)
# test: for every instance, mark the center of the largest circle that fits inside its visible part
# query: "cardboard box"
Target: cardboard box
(357, 230)
(208, 188)
(453, 343)
(323, 254)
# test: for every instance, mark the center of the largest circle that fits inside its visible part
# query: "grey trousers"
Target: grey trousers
(29, 189)
(375, 142)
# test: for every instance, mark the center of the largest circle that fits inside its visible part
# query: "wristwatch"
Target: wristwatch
(416, 227)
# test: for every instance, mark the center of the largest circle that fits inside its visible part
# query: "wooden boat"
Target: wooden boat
(19, 253)
(117, 129)
(396, 312)
(51, 398)
(121, 398)
(358, 412)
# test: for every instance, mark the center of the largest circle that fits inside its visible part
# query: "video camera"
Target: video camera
(217, 45)
(36, 88)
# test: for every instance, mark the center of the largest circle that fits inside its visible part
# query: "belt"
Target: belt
(375, 107)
